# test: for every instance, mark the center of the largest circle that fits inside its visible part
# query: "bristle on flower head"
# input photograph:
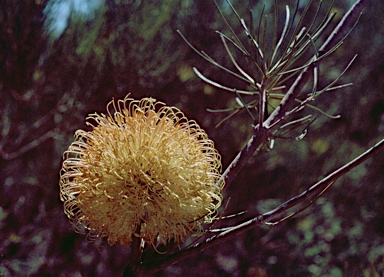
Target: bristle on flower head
(144, 165)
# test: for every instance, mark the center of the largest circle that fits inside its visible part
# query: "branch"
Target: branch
(352, 15)
(36, 142)
(157, 265)
(21, 150)
(289, 98)
(260, 135)
(319, 186)
(258, 138)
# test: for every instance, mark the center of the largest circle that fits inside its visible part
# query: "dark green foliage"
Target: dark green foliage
(48, 86)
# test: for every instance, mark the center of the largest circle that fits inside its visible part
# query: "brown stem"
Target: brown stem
(259, 137)
(134, 262)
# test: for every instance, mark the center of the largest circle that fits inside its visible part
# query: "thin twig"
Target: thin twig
(332, 177)
(299, 82)
(352, 14)
(29, 146)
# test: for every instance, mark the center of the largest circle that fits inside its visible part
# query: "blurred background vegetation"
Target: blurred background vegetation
(63, 59)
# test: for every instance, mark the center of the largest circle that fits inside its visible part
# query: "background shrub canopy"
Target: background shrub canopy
(50, 79)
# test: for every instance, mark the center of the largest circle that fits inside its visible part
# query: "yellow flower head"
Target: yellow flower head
(143, 170)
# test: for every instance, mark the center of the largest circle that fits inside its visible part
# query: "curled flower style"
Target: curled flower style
(144, 170)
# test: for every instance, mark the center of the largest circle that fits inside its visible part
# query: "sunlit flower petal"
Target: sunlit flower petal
(144, 165)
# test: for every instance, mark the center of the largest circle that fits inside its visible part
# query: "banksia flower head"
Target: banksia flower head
(144, 170)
